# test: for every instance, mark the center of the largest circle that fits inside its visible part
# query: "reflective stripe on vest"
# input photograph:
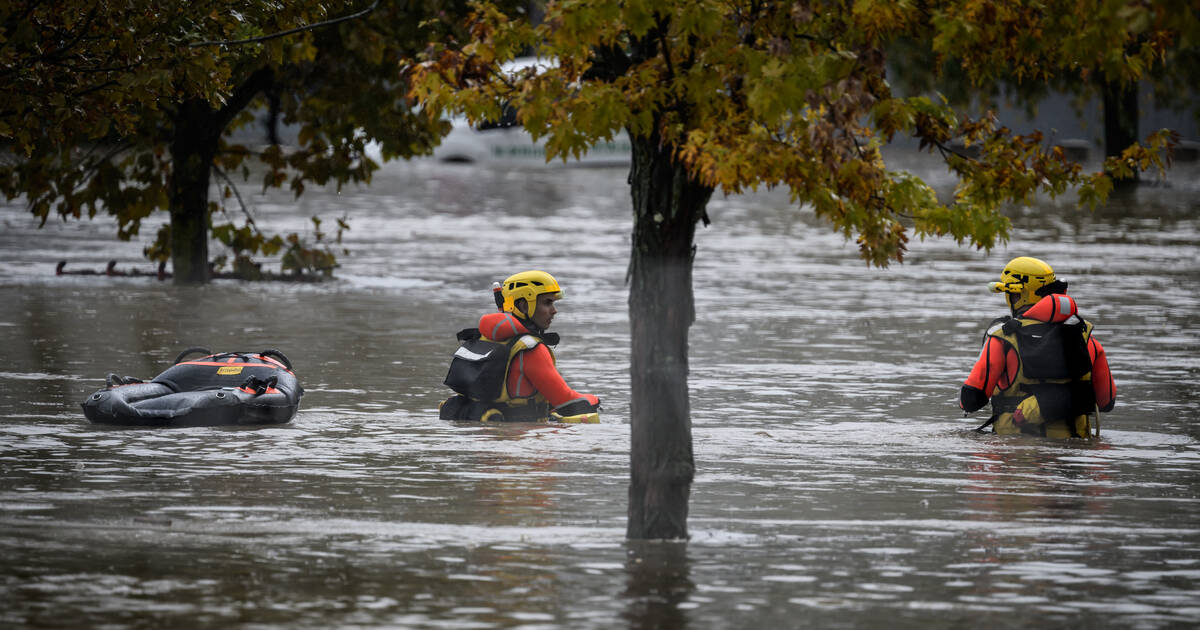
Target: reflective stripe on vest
(1064, 305)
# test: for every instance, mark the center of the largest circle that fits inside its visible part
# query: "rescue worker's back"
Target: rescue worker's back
(1042, 369)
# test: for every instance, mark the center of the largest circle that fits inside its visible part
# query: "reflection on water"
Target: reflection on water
(658, 589)
(836, 486)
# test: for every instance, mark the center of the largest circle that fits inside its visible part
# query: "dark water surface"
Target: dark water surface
(836, 484)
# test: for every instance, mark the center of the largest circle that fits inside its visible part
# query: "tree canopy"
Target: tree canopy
(796, 94)
(123, 106)
(1130, 48)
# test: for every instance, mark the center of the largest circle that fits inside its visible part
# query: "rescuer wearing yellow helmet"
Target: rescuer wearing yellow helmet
(505, 371)
(530, 295)
(1022, 280)
(1041, 368)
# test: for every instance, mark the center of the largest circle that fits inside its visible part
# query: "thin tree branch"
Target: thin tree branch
(233, 187)
(299, 29)
(945, 149)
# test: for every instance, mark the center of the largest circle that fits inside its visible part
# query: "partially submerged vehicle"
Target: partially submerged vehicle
(230, 388)
(505, 142)
(509, 144)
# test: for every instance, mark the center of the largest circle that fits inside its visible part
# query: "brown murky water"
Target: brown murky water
(836, 486)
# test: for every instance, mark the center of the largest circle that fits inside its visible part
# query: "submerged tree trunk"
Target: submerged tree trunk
(192, 151)
(657, 581)
(1120, 120)
(666, 206)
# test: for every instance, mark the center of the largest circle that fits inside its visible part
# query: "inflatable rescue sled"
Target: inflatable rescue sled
(230, 388)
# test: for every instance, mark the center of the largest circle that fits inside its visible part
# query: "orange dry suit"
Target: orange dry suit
(505, 370)
(1043, 372)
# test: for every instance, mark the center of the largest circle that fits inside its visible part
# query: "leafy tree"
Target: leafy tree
(1124, 46)
(123, 107)
(736, 95)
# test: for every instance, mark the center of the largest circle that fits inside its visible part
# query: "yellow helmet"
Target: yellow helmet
(1022, 279)
(528, 285)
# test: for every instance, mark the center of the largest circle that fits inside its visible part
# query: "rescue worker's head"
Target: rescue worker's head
(530, 295)
(1025, 281)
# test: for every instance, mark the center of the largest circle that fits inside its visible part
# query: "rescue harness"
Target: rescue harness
(1055, 368)
(479, 375)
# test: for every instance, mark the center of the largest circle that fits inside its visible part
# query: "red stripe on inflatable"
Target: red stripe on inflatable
(270, 390)
(266, 358)
(222, 364)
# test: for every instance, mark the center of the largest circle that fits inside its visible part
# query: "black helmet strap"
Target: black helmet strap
(1058, 286)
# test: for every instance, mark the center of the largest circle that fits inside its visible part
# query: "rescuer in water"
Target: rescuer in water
(504, 370)
(1042, 369)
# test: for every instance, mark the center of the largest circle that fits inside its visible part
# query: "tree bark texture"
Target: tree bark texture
(666, 206)
(1120, 119)
(192, 150)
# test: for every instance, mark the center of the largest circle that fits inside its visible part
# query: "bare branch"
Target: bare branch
(233, 186)
(299, 29)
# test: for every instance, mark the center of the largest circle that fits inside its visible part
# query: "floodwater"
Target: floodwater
(837, 485)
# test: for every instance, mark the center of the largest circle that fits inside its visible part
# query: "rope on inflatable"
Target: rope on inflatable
(269, 352)
(191, 350)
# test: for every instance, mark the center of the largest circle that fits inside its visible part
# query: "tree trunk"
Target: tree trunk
(1120, 120)
(192, 151)
(198, 129)
(666, 206)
